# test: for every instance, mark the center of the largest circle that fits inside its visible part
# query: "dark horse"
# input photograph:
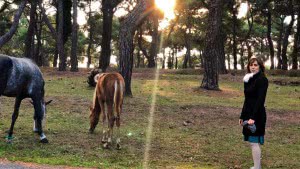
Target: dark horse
(21, 78)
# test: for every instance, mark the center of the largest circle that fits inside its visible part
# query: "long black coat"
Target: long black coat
(255, 91)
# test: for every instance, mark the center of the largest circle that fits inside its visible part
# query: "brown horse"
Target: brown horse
(109, 90)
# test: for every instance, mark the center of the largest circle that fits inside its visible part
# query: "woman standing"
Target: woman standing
(253, 112)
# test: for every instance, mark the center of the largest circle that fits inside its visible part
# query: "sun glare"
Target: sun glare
(167, 7)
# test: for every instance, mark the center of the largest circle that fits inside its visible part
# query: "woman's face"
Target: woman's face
(254, 67)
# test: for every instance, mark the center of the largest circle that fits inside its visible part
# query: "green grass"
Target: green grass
(184, 89)
(212, 141)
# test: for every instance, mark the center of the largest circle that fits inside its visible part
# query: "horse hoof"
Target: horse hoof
(45, 140)
(118, 147)
(105, 146)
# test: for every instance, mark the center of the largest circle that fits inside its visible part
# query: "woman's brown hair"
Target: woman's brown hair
(260, 63)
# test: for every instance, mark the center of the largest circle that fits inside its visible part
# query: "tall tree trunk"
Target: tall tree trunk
(47, 21)
(242, 57)
(142, 61)
(74, 60)
(169, 60)
(52, 30)
(154, 42)
(228, 61)
(29, 41)
(39, 27)
(127, 30)
(212, 51)
(138, 56)
(285, 43)
(60, 40)
(6, 37)
(107, 11)
(173, 57)
(296, 45)
(279, 43)
(187, 41)
(234, 25)
(56, 53)
(55, 58)
(221, 57)
(202, 60)
(126, 58)
(261, 40)
(64, 30)
(140, 39)
(91, 33)
(270, 42)
(176, 62)
(247, 37)
(89, 57)
(67, 18)
(249, 50)
(228, 55)
(164, 59)
(176, 58)
(187, 56)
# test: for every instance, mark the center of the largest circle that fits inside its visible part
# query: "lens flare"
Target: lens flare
(149, 131)
(151, 121)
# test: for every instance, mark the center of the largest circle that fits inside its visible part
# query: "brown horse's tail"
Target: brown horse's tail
(118, 96)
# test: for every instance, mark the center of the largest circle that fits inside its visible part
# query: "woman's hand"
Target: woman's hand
(240, 121)
(251, 122)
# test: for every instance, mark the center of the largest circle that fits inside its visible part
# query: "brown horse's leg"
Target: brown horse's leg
(110, 118)
(104, 132)
(118, 123)
(111, 121)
